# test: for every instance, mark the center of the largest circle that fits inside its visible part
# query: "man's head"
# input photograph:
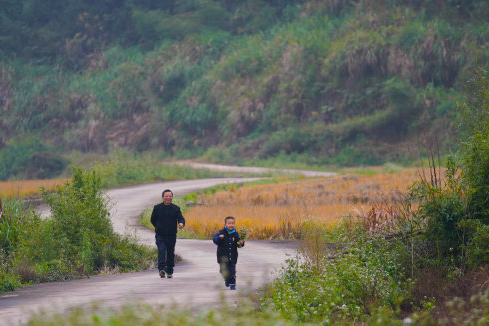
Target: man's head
(167, 196)
(229, 223)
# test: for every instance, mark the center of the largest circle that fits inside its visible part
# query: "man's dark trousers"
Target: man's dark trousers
(166, 253)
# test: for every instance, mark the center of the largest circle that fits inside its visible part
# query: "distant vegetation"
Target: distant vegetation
(119, 168)
(318, 82)
(123, 168)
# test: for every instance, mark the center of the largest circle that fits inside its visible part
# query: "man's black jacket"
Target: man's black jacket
(165, 219)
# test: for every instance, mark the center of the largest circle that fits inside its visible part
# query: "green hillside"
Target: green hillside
(322, 82)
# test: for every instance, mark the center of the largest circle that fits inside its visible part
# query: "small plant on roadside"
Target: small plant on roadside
(313, 244)
(8, 281)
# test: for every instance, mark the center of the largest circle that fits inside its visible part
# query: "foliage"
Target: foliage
(478, 248)
(460, 312)
(455, 210)
(363, 276)
(475, 149)
(79, 221)
(29, 157)
(140, 313)
(333, 82)
(8, 282)
(13, 223)
(77, 240)
(125, 168)
(443, 208)
(474, 312)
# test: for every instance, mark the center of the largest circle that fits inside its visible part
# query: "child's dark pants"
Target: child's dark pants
(166, 253)
(228, 271)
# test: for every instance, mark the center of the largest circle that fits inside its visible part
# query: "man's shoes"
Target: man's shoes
(169, 275)
(232, 286)
(162, 274)
(227, 284)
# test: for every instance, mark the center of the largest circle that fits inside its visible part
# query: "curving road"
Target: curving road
(196, 280)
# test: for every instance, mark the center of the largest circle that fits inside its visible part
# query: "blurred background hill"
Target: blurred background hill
(317, 82)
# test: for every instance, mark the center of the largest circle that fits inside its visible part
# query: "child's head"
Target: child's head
(229, 223)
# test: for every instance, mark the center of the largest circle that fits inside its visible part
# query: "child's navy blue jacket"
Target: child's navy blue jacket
(227, 247)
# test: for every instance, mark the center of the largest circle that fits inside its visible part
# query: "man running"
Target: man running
(165, 218)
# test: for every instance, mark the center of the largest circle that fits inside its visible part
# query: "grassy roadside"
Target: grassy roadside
(77, 240)
(364, 285)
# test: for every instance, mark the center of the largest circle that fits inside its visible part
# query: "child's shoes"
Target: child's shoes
(232, 286)
(226, 283)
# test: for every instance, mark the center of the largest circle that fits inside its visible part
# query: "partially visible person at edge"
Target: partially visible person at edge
(165, 218)
(228, 242)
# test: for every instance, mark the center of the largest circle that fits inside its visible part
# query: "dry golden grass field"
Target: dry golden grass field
(278, 210)
(23, 188)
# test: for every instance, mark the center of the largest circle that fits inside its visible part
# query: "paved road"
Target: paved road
(196, 280)
(252, 169)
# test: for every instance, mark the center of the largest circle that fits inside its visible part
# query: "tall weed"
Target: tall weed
(14, 223)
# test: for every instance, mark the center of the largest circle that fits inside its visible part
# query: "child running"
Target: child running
(228, 242)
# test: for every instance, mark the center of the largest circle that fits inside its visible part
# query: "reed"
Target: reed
(278, 211)
(22, 188)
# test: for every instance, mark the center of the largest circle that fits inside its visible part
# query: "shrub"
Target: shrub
(364, 275)
(14, 221)
(443, 208)
(8, 282)
(457, 210)
(78, 239)
(80, 213)
(474, 125)
(478, 247)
